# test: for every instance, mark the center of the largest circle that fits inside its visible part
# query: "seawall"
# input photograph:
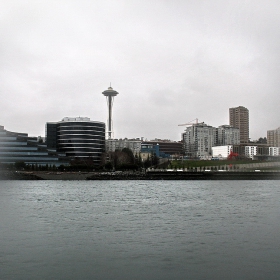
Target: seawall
(149, 175)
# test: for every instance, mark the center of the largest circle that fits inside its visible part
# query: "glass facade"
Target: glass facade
(77, 138)
(18, 147)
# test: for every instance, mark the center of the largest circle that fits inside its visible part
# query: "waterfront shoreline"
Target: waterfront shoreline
(150, 175)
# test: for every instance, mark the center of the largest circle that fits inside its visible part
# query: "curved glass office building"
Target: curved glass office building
(77, 137)
(19, 147)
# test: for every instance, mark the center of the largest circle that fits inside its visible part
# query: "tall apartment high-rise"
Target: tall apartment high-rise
(199, 139)
(239, 118)
(228, 135)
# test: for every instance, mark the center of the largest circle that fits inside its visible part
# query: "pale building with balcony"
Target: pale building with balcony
(273, 137)
(198, 140)
(228, 135)
(113, 145)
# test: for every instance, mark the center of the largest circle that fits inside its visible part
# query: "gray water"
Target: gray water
(139, 230)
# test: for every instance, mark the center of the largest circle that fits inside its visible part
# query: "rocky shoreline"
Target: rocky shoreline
(15, 175)
(150, 175)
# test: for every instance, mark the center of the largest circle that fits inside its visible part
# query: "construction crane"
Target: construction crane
(195, 121)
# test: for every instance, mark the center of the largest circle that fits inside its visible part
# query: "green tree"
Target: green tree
(108, 165)
(129, 153)
(147, 162)
(154, 159)
(20, 165)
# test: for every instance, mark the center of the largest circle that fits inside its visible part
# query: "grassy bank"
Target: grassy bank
(187, 164)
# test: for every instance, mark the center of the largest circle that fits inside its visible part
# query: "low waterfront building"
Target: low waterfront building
(167, 148)
(274, 151)
(19, 147)
(251, 151)
(222, 152)
(149, 149)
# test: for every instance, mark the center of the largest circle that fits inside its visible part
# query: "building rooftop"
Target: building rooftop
(81, 119)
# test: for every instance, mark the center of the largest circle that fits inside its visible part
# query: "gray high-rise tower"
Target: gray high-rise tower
(110, 94)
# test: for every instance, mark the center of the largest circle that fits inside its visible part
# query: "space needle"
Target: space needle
(110, 94)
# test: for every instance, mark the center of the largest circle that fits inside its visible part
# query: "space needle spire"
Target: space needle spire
(110, 94)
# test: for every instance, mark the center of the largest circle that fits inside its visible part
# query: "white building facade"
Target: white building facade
(118, 144)
(251, 151)
(222, 152)
(274, 151)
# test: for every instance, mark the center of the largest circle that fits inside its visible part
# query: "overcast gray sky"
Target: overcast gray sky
(170, 61)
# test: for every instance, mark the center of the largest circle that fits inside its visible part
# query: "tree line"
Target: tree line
(120, 160)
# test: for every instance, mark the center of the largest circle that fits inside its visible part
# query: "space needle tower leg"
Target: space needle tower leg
(110, 93)
(110, 105)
